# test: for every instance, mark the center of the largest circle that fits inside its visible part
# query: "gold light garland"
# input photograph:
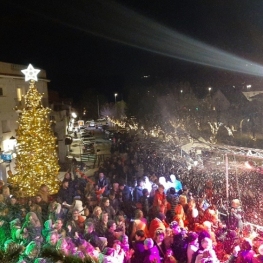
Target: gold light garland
(37, 161)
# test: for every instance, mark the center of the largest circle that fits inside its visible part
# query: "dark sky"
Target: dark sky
(71, 40)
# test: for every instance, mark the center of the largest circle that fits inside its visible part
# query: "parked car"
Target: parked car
(92, 124)
(109, 134)
(86, 135)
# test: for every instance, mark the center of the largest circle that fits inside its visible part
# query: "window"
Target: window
(5, 126)
(1, 92)
(18, 94)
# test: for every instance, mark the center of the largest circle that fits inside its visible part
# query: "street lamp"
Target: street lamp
(115, 95)
(209, 89)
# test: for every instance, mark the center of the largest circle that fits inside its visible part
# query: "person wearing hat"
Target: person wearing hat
(157, 223)
(151, 253)
(76, 205)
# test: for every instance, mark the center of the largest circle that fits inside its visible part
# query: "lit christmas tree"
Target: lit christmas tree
(37, 161)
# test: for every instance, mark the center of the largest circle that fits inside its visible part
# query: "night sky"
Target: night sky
(75, 41)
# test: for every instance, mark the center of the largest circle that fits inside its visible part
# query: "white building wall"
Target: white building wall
(11, 78)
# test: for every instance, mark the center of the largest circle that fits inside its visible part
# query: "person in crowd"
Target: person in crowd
(91, 236)
(168, 237)
(139, 223)
(86, 248)
(246, 253)
(125, 244)
(169, 258)
(106, 207)
(96, 214)
(145, 202)
(159, 243)
(235, 219)
(206, 253)
(14, 209)
(159, 200)
(121, 222)
(103, 184)
(65, 194)
(111, 233)
(48, 227)
(31, 253)
(33, 226)
(58, 227)
(54, 210)
(176, 183)
(114, 201)
(259, 257)
(138, 249)
(101, 225)
(157, 223)
(192, 215)
(31, 206)
(137, 192)
(75, 224)
(201, 236)
(119, 253)
(208, 227)
(76, 205)
(179, 215)
(63, 247)
(126, 198)
(192, 247)
(108, 255)
(51, 241)
(43, 192)
(179, 245)
(151, 253)
(173, 199)
(44, 207)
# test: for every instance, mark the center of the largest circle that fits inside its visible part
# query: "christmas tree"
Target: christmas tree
(37, 161)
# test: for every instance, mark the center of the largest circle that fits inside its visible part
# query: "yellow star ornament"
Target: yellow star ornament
(30, 73)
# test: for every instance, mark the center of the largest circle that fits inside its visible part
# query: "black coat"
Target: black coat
(179, 247)
(137, 193)
(126, 195)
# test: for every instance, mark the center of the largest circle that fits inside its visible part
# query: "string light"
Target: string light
(37, 161)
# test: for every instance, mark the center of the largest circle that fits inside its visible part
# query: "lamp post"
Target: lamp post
(115, 95)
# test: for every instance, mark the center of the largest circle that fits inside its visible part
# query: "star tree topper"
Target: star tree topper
(30, 73)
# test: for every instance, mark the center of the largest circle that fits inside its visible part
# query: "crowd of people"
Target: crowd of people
(140, 206)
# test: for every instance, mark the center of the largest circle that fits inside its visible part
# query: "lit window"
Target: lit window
(5, 126)
(18, 94)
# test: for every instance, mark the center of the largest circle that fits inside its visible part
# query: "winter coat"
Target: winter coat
(151, 255)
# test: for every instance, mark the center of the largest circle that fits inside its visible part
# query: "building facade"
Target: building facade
(12, 89)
